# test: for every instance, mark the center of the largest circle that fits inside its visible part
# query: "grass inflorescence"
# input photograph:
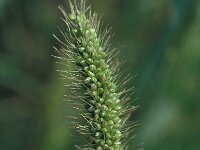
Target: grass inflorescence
(96, 88)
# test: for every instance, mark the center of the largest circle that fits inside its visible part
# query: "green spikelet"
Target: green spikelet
(95, 90)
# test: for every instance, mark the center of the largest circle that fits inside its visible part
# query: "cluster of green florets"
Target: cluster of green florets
(102, 95)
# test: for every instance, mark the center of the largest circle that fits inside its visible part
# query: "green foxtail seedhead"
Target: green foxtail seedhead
(96, 88)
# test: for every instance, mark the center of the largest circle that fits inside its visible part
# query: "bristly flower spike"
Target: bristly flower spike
(95, 87)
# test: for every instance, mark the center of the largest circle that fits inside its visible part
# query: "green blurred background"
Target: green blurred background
(162, 51)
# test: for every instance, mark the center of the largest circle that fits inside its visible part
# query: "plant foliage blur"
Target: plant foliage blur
(162, 51)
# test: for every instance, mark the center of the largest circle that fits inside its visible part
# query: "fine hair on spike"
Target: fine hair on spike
(95, 85)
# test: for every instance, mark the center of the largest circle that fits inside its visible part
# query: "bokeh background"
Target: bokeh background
(162, 52)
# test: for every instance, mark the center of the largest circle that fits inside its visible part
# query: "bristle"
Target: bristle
(96, 89)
